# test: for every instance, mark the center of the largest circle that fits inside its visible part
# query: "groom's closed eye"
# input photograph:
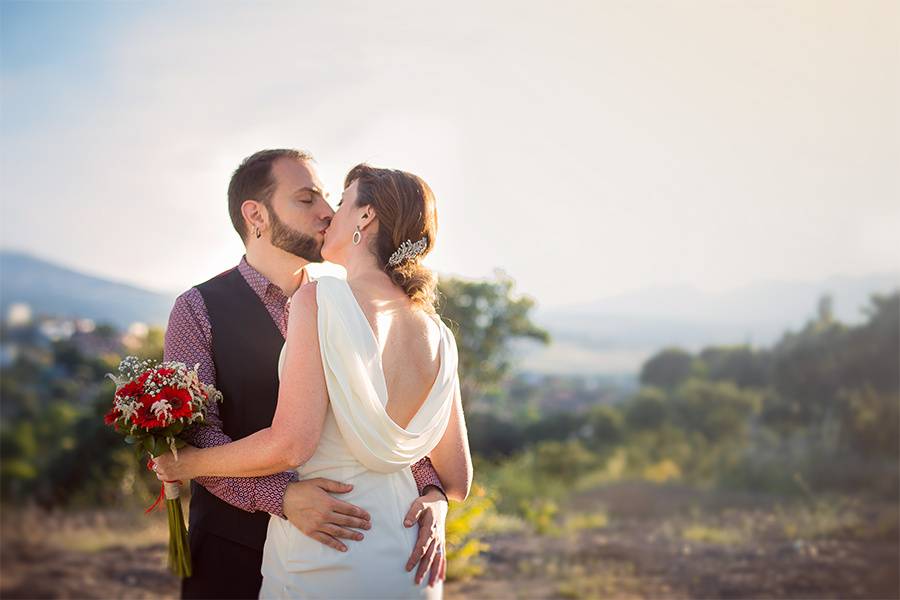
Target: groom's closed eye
(309, 195)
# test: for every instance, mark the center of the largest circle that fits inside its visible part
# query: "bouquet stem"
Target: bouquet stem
(179, 548)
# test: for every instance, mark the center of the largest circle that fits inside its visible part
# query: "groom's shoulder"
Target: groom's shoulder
(214, 280)
(191, 300)
(189, 307)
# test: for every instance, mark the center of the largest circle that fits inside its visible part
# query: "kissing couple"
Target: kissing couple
(342, 424)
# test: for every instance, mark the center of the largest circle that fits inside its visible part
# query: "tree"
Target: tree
(667, 369)
(740, 364)
(563, 461)
(869, 401)
(558, 425)
(490, 436)
(874, 347)
(647, 410)
(485, 317)
(806, 372)
(54, 400)
(870, 422)
(606, 427)
(720, 411)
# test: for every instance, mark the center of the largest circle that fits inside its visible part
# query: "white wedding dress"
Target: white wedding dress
(361, 445)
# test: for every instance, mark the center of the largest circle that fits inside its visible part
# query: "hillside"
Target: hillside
(51, 289)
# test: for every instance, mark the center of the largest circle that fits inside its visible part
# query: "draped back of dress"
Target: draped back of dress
(358, 390)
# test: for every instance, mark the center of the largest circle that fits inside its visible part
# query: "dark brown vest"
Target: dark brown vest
(246, 345)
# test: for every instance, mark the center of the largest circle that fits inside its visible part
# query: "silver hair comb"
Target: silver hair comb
(408, 250)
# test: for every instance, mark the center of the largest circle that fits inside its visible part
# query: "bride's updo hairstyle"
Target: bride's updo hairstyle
(404, 205)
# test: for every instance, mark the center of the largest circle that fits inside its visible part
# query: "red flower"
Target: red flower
(112, 416)
(181, 404)
(144, 417)
(179, 401)
(130, 389)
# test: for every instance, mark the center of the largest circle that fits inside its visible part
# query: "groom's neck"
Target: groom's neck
(283, 269)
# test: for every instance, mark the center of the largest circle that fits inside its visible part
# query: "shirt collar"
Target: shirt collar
(260, 284)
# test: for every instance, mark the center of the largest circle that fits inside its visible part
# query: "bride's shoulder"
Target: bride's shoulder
(443, 328)
(305, 296)
(325, 281)
(326, 288)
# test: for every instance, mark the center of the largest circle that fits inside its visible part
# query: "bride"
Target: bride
(369, 386)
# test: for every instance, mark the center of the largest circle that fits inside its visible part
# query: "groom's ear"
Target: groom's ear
(255, 215)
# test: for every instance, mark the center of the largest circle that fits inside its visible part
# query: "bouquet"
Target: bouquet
(153, 403)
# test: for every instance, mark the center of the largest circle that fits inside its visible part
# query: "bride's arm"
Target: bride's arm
(451, 457)
(299, 416)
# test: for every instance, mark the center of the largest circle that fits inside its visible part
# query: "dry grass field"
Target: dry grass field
(646, 541)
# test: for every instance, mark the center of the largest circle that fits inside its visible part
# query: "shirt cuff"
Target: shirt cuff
(425, 475)
(270, 497)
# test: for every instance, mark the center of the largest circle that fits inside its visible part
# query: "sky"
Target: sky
(584, 148)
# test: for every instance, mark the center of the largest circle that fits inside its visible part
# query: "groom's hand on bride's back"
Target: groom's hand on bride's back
(311, 508)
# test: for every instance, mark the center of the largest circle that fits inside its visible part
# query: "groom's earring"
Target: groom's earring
(356, 236)
(258, 233)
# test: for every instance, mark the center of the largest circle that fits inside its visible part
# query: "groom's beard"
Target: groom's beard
(295, 242)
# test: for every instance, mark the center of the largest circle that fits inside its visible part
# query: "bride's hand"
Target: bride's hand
(430, 511)
(168, 469)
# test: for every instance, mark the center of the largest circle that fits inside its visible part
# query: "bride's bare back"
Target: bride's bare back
(409, 342)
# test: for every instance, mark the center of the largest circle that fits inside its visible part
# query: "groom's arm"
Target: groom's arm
(189, 340)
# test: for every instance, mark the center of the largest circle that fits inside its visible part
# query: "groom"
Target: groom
(234, 326)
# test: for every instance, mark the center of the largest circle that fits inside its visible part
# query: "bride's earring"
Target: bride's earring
(258, 233)
(357, 236)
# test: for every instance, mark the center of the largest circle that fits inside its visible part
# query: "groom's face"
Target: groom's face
(298, 211)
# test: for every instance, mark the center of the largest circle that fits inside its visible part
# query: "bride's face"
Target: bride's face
(339, 235)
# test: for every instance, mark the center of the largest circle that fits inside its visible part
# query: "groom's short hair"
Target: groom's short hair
(253, 180)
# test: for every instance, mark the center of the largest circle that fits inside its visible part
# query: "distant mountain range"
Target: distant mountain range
(618, 333)
(612, 335)
(58, 291)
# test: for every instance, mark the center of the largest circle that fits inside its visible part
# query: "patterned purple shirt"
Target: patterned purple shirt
(189, 340)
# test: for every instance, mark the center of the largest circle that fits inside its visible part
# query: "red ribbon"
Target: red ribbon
(162, 488)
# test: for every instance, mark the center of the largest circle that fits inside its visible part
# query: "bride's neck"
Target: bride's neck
(364, 274)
